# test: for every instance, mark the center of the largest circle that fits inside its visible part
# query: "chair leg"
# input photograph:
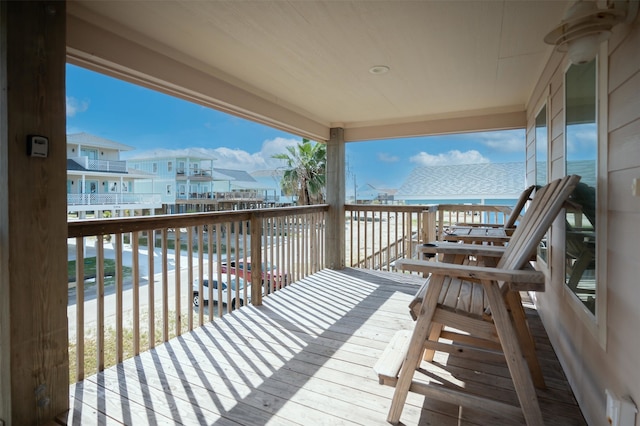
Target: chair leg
(516, 362)
(527, 343)
(416, 348)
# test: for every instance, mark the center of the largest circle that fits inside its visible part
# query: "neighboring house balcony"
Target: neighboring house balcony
(272, 198)
(240, 195)
(113, 199)
(194, 175)
(194, 196)
(117, 166)
(224, 196)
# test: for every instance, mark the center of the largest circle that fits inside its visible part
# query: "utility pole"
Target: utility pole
(355, 188)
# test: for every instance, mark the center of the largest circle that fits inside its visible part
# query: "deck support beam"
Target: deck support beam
(34, 360)
(335, 183)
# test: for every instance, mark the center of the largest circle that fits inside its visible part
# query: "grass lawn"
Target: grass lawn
(90, 355)
(90, 270)
(171, 245)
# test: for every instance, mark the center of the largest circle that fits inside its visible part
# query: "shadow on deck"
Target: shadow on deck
(303, 358)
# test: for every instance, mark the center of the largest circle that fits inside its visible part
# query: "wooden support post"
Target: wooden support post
(34, 359)
(335, 182)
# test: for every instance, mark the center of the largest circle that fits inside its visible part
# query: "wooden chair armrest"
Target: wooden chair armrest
(457, 248)
(517, 280)
(479, 225)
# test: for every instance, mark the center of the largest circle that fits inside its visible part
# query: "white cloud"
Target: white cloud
(232, 158)
(504, 141)
(582, 139)
(388, 158)
(449, 158)
(75, 106)
(243, 160)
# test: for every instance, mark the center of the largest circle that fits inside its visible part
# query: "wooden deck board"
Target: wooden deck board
(305, 357)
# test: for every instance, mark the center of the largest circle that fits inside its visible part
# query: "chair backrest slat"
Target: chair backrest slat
(517, 210)
(546, 204)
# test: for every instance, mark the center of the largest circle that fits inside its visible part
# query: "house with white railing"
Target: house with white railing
(98, 180)
(187, 182)
(270, 180)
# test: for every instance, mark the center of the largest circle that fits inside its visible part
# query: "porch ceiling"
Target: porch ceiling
(303, 66)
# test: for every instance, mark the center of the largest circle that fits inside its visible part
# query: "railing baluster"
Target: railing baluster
(219, 258)
(312, 244)
(388, 263)
(210, 270)
(201, 276)
(165, 285)
(277, 252)
(380, 261)
(190, 273)
(290, 248)
(135, 266)
(264, 255)
(177, 278)
(243, 229)
(285, 247)
(119, 310)
(236, 246)
(229, 226)
(359, 237)
(305, 246)
(316, 233)
(80, 308)
(352, 247)
(100, 302)
(151, 246)
(323, 220)
(270, 260)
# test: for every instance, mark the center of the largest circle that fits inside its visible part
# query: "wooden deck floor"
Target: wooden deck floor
(303, 358)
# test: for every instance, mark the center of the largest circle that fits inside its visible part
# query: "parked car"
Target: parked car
(226, 286)
(270, 273)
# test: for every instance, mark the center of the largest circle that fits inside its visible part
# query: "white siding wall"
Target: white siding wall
(593, 363)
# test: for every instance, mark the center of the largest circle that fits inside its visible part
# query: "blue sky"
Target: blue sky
(148, 120)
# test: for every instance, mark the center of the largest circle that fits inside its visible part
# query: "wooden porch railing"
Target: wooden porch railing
(154, 261)
(377, 235)
(144, 301)
(451, 214)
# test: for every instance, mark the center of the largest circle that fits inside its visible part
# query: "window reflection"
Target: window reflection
(581, 135)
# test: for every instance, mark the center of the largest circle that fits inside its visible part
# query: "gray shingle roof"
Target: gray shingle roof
(237, 175)
(96, 141)
(486, 180)
(194, 154)
(73, 166)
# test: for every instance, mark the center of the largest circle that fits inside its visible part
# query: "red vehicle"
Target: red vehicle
(273, 277)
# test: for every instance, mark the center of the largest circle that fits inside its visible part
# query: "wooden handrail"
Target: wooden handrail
(91, 227)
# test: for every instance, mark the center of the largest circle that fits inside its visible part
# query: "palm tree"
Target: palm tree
(304, 173)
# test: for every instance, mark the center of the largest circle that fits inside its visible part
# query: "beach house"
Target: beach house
(98, 181)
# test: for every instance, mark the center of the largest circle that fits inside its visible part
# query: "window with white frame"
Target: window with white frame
(581, 156)
(541, 145)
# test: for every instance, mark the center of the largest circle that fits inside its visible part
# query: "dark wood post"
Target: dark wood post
(34, 360)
